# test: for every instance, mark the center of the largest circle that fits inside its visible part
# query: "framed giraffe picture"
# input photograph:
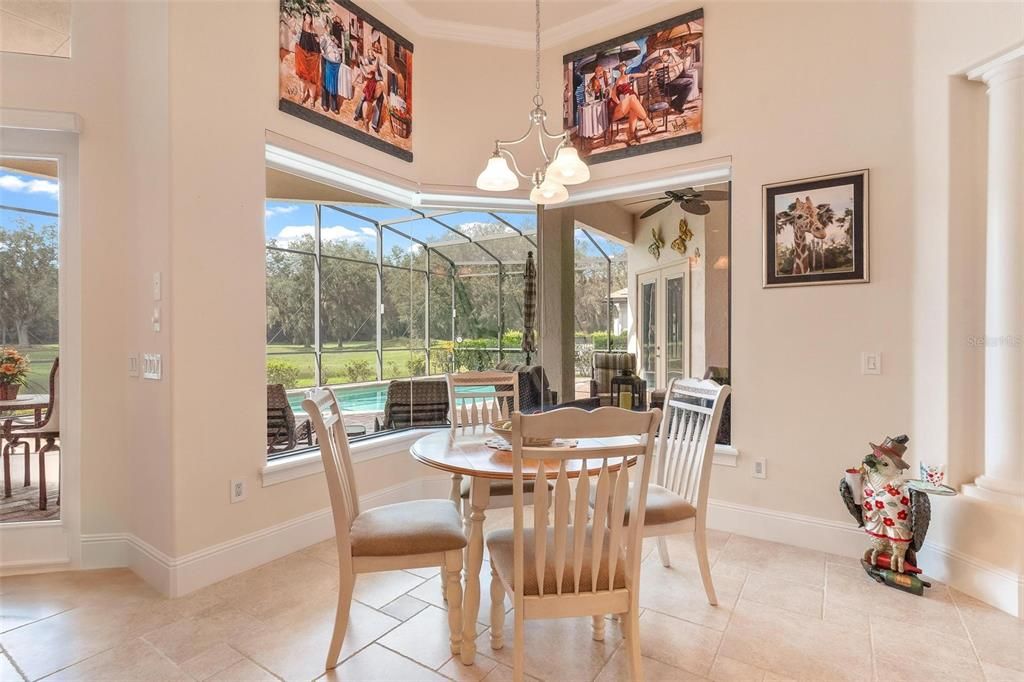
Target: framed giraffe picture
(816, 230)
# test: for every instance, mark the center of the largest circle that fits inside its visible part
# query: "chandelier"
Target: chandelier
(562, 166)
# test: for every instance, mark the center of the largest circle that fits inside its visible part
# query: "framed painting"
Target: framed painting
(816, 230)
(638, 93)
(344, 70)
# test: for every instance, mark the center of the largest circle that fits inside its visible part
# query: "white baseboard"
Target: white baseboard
(177, 576)
(993, 585)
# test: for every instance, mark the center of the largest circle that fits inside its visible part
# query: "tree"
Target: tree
(28, 282)
(296, 8)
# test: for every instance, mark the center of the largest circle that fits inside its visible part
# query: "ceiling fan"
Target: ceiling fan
(689, 199)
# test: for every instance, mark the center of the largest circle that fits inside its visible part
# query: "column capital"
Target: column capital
(1007, 65)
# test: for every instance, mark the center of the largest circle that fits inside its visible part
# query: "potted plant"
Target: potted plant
(13, 373)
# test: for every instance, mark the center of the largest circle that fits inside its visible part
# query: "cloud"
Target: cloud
(279, 210)
(335, 233)
(369, 231)
(12, 183)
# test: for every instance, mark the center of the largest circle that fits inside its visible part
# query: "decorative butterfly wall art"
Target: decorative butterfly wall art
(657, 244)
(685, 235)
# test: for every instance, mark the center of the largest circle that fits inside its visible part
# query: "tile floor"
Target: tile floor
(783, 613)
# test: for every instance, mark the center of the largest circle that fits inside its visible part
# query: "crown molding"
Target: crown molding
(457, 31)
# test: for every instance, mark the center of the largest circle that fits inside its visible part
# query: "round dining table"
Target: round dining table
(473, 454)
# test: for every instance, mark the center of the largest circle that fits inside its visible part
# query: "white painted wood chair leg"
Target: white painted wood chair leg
(598, 627)
(623, 622)
(663, 552)
(480, 494)
(497, 611)
(453, 578)
(345, 587)
(633, 645)
(700, 542)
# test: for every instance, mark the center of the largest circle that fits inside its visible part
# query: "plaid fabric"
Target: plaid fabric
(608, 364)
(416, 402)
(282, 433)
(529, 305)
(534, 390)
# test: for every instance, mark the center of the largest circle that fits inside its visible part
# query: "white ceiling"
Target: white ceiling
(516, 15)
(638, 208)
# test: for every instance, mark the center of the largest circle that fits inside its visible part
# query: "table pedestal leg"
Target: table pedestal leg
(479, 498)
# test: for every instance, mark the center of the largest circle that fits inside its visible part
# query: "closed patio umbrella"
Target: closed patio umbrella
(529, 307)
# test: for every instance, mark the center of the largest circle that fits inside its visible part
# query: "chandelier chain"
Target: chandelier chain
(537, 49)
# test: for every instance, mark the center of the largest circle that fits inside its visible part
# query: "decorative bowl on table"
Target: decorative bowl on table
(504, 429)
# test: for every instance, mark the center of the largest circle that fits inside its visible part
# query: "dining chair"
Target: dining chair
(678, 500)
(416, 534)
(476, 399)
(48, 429)
(577, 564)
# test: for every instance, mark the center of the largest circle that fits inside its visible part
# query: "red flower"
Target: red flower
(868, 492)
(879, 504)
(889, 488)
(904, 500)
(889, 522)
(902, 515)
(867, 505)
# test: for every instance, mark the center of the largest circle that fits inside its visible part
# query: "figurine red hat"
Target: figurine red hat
(892, 447)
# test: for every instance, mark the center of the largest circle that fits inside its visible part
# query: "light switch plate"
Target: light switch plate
(157, 288)
(133, 364)
(152, 366)
(870, 363)
(760, 468)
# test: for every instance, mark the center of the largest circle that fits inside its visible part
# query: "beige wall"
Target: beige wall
(172, 178)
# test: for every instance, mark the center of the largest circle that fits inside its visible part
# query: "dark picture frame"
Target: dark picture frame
(664, 64)
(816, 230)
(360, 36)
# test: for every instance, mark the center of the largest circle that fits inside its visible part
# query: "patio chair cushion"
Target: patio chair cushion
(663, 506)
(501, 548)
(499, 488)
(417, 527)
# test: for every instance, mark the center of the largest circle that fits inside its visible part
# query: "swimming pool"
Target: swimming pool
(363, 398)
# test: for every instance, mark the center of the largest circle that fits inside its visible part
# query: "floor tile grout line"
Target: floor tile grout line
(967, 630)
(38, 620)
(871, 647)
(14, 664)
(82, 660)
(409, 658)
(728, 622)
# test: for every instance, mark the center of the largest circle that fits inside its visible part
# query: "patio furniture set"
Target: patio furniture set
(42, 427)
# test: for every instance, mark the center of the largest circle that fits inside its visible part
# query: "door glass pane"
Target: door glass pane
(674, 330)
(648, 333)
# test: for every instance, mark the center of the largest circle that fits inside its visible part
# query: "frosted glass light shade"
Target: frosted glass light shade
(497, 176)
(567, 168)
(549, 192)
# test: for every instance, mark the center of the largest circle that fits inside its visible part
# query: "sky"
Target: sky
(22, 190)
(285, 222)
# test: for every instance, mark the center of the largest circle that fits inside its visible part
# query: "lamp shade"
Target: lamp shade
(567, 168)
(549, 192)
(497, 176)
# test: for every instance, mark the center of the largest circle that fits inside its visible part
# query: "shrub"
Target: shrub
(417, 365)
(358, 371)
(283, 372)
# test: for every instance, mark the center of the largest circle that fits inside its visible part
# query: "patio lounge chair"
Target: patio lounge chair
(605, 365)
(283, 430)
(415, 402)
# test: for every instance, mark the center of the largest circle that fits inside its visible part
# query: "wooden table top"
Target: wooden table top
(26, 401)
(470, 455)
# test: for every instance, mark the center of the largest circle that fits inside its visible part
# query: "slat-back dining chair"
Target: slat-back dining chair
(549, 570)
(416, 534)
(678, 501)
(475, 400)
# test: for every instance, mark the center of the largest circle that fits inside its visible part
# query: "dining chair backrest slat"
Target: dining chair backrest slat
(477, 399)
(693, 411)
(562, 529)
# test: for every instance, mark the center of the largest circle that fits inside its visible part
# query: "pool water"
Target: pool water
(367, 399)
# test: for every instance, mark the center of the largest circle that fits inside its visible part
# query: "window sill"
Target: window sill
(309, 463)
(726, 455)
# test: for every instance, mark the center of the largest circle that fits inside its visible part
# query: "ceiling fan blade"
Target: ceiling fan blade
(696, 206)
(654, 209)
(641, 201)
(714, 195)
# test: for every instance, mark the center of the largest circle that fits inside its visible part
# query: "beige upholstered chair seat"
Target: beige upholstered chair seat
(499, 488)
(406, 528)
(500, 546)
(663, 506)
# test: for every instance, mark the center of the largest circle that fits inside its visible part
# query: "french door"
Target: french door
(663, 325)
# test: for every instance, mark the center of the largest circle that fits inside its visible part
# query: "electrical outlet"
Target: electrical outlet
(133, 364)
(760, 468)
(870, 363)
(239, 491)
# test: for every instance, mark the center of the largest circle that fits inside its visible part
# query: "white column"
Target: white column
(1003, 479)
